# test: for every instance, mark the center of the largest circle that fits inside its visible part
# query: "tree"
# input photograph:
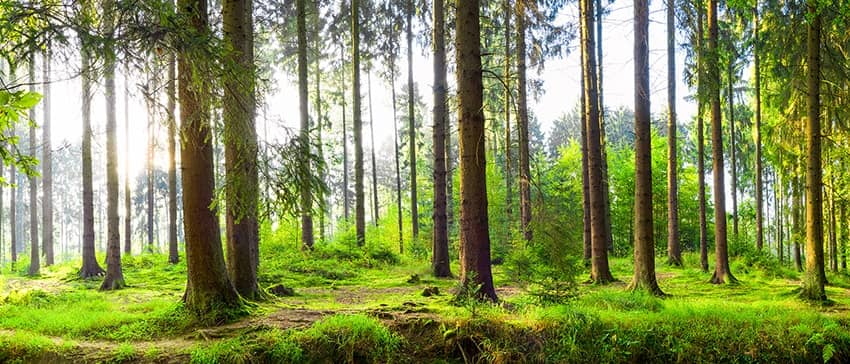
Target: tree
(701, 82)
(128, 214)
(674, 252)
(114, 275)
(240, 144)
(33, 182)
(208, 287)
(440, 260)
(411, 123)
(814, 278)
(306, 194)
(170, 89)
(600, 273)
(508, 102)
(722, 273)
(375, 206)
(757, 136)
(644, 275)
(522, 122)
(46, 163)
(475, 269)
(359, 198)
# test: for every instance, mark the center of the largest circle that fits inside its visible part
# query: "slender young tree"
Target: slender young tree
(585, 180)
(114, 275)
(346, 205)
(757, 134)
(599, 272)
(674, 252)
(814, 278)
(46, 163)
(701, 82)
(508, 102)
(375, 207)
(644, 275)
(152, 106)
(722, 273)
(359, 198)
(440, 259)
(304, 116)
(606, 190)
(733, 154)
(522, 122)
(397, 162)
(240, 149)
(208, 287)
(411, 123)
(320, 121)
(33, 182)
(170, 89)
(128, 213)
(475, 269)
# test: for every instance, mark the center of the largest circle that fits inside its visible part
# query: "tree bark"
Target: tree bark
(359, 198)
(606, 191)
(703, 223)
(46, 164)
(674, 252)
(722, 273)
(208, 288)
(797, 228)
(475, 269)
(833, 244)
(128, 213)
(240, 149)
(375, 206)
(585, 178)
(440, 260)
(644, 275)
(508, 104)
(306, 190)
(152, 106)
(733, 150)
(346, 205)
(759, 167)
(411, 123)
(600, 273)
(114, 275)
(522, 123)
(173, 249)
(33, 182)
(90, 267)
(814, 278)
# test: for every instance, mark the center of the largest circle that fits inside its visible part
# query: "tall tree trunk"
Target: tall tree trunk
(114, 275)
(208, 288)
(833, 245)
(346, 205)
(90, 267)
(703, 223)
(13, 238)
(128, 213)
(320, 125)
(522, 123)
(411, 123)
(644, 275)
(46, 164)
(375, 206)
(173, 250)
(606, 191)
(33, 182)
(814, 279)
(397, 163)
(759, 183)
(240, 147)
(722, 273)
(152, 106)
(508, 104)
(440, 260)
(585, 178)
(306, 189)
(674, 252)
(733, 150)
(797, 228)
(359, 198)
(600, 273)
(842, 237)
(475, 269)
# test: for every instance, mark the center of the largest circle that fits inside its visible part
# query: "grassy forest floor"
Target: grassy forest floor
(351, 306)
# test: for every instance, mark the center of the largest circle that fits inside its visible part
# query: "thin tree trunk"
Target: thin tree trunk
(33, 182)
(759, 167)
(173, 250)
(306, 190)
(90, 267)
(46, 164)
(733, 151)
(128, 214)
(674, 252)
(814, 279)
(240, 149)
(411, 124)
(375, 211)
(600, 273)
(722, 273)
(703, 223)
(585, 178)
(606, 191)
(152, 105)
(508, 103)
(440, 260)
(475, 269)
(397, 163)
(842, 235)
(320, 125)
(208, 288)
(644, 275)
(346, 205)
(522, 124)
(797, 233)
(114, 275)
(833, 244)
(13, 237)
(359, 198)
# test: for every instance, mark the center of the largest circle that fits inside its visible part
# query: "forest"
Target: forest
(533, 181)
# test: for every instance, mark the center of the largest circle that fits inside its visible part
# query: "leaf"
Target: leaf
(27, 100)
(828, 352)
